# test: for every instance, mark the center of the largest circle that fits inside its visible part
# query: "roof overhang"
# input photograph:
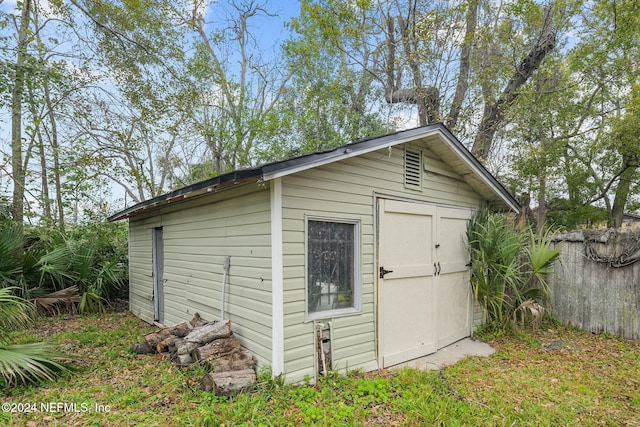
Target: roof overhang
(473, 173)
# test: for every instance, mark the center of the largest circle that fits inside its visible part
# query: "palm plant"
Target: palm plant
(11, 243)
(496, 276)
(541, 257)
(509, 266)
(82, 263)
(85, 258)
(98, 272)
(23, 362)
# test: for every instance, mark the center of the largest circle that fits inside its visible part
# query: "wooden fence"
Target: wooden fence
(596, 287)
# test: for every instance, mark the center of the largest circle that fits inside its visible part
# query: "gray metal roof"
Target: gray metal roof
(437, 136)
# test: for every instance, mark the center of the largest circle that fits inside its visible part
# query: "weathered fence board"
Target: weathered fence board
(597, 286)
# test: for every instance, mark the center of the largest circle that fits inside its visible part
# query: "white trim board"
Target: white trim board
(277, 280)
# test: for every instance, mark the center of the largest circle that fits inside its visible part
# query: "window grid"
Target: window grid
(332, 257)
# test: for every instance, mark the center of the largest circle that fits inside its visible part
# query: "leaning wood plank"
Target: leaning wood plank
(235, 361)
(217, 347)
(156, 337)
(209, 332)
(229, 383)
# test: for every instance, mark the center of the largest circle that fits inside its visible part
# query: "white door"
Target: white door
(158, 275)
(452, 286)
(406, 323)
(423, 281)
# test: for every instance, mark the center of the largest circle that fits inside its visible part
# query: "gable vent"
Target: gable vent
(413, 169)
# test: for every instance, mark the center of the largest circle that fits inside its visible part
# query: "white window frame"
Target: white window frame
(357, 269)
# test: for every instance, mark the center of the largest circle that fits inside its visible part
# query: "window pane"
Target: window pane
(330, 256)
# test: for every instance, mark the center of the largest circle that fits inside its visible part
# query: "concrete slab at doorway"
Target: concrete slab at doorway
(450, 355)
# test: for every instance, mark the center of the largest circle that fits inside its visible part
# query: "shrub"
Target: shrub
(509, 266)
(92, 257)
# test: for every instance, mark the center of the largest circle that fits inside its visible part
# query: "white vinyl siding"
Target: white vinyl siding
(197, 237)
(200, 233)
(347, 189)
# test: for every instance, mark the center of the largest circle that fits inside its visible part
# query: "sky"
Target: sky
(270, 32)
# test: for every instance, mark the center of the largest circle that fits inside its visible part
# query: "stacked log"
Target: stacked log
(212, 344)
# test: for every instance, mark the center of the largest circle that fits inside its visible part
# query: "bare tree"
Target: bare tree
(17, 94)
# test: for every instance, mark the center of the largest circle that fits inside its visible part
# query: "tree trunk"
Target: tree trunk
(494, 112)
(542, 204)
(142, 348)
(216, 348)
(229, 383)
(210, 332)
(55, 154)
(236, 360)
(184, 359)
(44, 177)
(465, 65)
(16, 116)
(180, 330)
(621, 196)
(426, 98)
(156, 337)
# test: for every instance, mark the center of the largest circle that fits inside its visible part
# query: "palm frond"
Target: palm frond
(11, 244)
(51, 303)
(529, 311)
(23, 363)
(54, 267)
(15, 312)
(541, 255)
(91, 302)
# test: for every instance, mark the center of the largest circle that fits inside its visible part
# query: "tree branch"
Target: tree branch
(494, 113)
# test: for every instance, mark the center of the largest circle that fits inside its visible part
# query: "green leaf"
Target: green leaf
(29, 362)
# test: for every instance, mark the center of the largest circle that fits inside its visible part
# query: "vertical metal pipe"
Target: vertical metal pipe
(227, 264)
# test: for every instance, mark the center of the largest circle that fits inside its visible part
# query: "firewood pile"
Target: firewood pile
(207, 343)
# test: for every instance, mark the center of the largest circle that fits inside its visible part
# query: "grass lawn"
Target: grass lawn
(550, 377)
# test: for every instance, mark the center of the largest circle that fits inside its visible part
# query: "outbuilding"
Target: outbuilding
(350, 258)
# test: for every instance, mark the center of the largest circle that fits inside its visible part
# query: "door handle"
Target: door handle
(436, 266)
(383, 272)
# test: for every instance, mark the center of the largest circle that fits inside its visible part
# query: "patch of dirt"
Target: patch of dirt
(50, 326)
(382, 373)
(47, 327)
(559, 345)
(118, 305)
(381, 415)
